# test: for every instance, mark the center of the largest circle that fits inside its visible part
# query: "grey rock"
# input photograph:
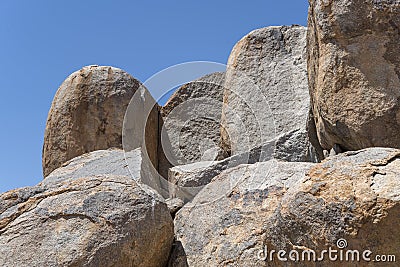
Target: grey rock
(354, 72)
(96, 220)
(335, 150)
(185, 175)
(132, 164)
(295, 206)
(293, 146)
(101, 162)
(266, 89)
(87, 114)
(317, 152)
(289, 147)
(190, 125)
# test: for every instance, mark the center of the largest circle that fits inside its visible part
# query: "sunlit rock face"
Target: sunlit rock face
(354, 72)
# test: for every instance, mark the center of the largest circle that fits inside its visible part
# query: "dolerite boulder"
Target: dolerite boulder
(190, 125)
(87, 114)
(354, 72)
(268, 206)
(88, 213)
(266, 89)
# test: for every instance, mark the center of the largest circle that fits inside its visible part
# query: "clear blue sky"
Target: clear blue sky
(42, 42)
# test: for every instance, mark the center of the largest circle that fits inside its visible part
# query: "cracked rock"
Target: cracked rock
(91, 212)
(281, 205)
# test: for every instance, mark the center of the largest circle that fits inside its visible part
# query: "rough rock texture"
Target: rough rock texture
(117, 162)
(229, 214)
(190, 126)
(101, 162)
(294, 146)
(289, 147)
(87, 114)
(266, 90)
(195, 174)
(354, 72)
(299, 206)
(97, 220)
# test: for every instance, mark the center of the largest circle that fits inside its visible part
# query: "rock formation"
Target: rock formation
(238, 150)
(302, 206)
(87, 114)
(266, 89)
(354, 72)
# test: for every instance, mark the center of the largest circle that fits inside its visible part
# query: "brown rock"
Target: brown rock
(87, 114)
(354, 72)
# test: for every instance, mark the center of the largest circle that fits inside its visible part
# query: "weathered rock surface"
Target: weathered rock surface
(87, 114)
(229, 223)
(191, 123)
(294, 146)
(117, 162)
(295, 206)
(266, 90)
(354, 72)
(85, 216)
(290, 147)
(101, 162)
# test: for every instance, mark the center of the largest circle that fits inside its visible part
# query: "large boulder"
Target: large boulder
(88, 213)
(253, 209)
(190, 124)
(266, 90)
(87, 114)
(354, 72)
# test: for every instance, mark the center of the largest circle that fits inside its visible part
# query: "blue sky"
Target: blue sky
(42, 42)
